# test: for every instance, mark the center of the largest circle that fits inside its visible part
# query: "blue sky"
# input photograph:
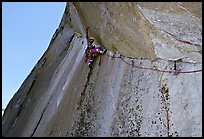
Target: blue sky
(27, 28)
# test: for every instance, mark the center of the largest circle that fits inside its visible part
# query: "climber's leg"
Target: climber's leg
(90, 63)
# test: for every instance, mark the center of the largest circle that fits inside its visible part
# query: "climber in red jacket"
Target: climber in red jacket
(92, 52)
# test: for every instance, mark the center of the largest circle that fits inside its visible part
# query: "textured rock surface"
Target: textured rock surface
(146, 30)
(62, 97)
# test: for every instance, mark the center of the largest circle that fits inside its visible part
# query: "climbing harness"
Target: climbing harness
(92, 53)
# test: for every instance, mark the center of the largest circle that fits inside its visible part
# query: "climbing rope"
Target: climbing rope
(157, 70)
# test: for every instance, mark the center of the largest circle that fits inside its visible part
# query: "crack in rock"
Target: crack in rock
(85, 86)
(40, 118)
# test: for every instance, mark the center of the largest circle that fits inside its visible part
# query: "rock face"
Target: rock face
(63, 97)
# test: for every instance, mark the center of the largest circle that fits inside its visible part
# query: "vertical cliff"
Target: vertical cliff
(149, 82)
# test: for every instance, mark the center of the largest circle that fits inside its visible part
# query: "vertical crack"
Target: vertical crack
(21, 104)
(40, 118)
(165, 96)
(85, 86)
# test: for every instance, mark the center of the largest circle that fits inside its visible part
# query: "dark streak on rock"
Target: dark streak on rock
(51, 132)
(43, 63)
(165, 95)
(71, 38)
(64, 51)
(66, 133)
(85, 86)
(54, 36)
(31, 86)
(40, 118)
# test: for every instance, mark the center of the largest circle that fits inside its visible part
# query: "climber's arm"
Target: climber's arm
(87, 37)
(87, 33)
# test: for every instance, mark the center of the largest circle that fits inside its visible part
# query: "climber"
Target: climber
(92, 51)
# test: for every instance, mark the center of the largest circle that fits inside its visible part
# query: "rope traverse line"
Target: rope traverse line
(158, 70)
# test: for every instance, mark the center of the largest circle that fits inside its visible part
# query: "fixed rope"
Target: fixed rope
(157, 70)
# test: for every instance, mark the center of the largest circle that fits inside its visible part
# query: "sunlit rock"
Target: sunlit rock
(148, 84)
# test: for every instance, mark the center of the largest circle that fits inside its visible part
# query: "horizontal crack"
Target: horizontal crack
(183, 41)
